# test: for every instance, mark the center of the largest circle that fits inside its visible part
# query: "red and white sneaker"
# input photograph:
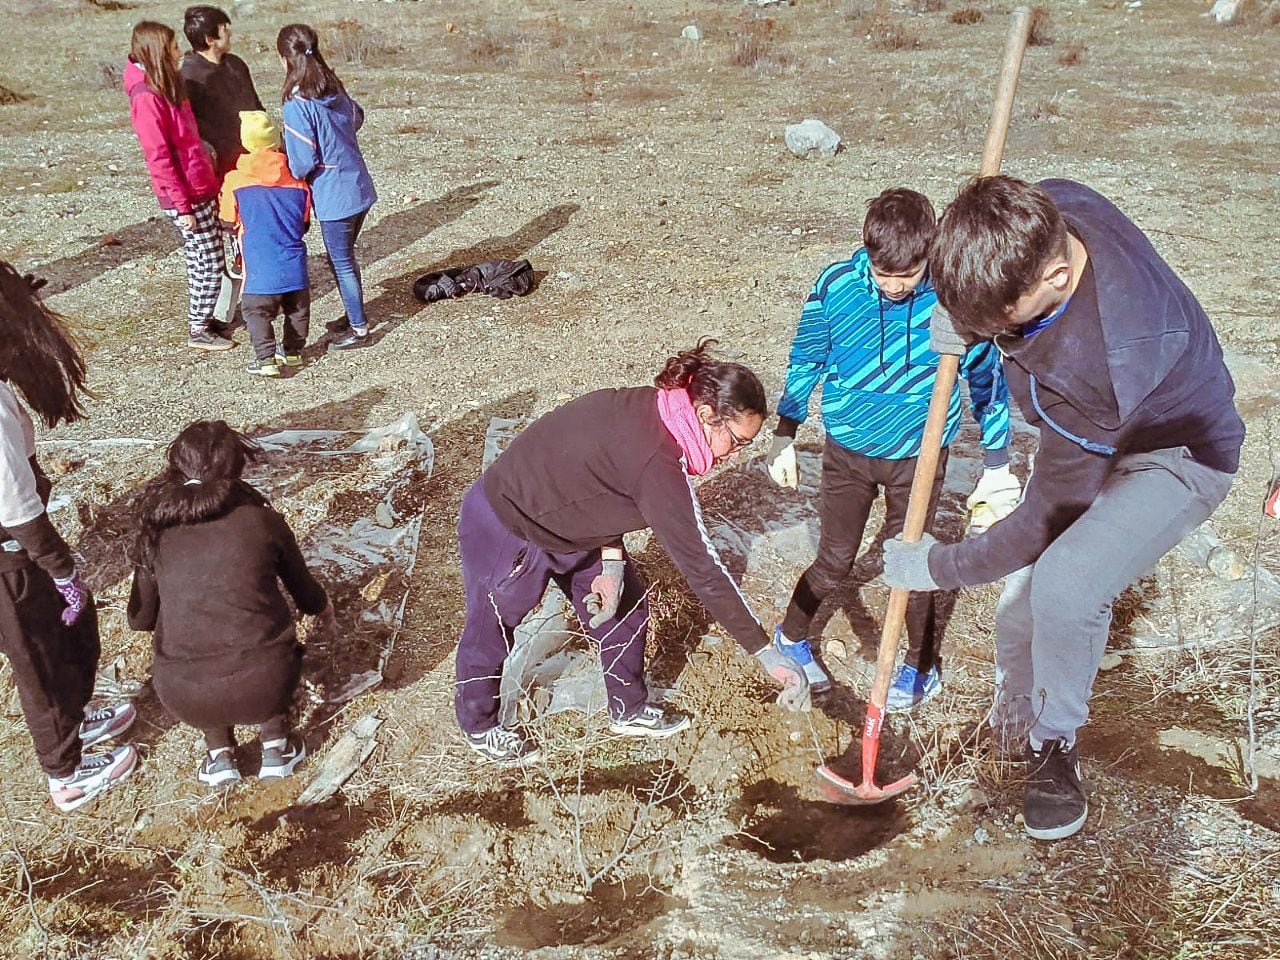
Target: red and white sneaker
(95, 775)
(104, 723)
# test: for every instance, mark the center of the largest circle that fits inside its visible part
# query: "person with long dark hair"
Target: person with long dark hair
(182, 174)
(555, 505)
(320, 124)
(48, 624)
(208, 560)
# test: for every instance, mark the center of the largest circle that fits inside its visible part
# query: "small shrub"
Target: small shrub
(1072, 53)
(966, 16)
(489, 49)
(1269, 15)
(110, 75)
(353, 42)
(754, 45)
(884, 31)
(110, 5)
(1038, 33)
(928, 6)
(11, 96)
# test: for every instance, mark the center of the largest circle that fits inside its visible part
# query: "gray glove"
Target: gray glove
(606, 591)
(943, 337)
(795, 685)
(906, 565)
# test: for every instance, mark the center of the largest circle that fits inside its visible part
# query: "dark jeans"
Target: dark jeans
(260, 311)
(258, 693)
(505, 578)
(340, 244)
(53, 665)
(850, 484)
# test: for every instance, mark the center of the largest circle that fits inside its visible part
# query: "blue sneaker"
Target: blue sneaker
(911, 688)
(799, 652)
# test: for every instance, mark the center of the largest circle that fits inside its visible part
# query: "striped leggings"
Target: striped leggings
(206, 263)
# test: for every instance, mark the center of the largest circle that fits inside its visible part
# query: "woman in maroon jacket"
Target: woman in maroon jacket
(554, 506)
(182, 174)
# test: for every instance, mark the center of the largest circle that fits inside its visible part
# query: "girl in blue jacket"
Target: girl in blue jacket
(320, 122)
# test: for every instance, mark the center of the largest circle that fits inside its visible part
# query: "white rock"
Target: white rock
(1226, 11)
(1110, 661)
(691, 32)
(812, 138)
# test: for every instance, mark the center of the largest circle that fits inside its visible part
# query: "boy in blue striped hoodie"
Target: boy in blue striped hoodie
(864, 333)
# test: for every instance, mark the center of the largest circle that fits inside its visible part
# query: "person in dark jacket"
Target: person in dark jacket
(555, 505)
(1112, 357)
(218, 84)
(209, 557)
(48, 624)
(320, 123)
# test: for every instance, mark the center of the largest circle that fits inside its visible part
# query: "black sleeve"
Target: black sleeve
(45, 546)
(302, 586)
(667, 500)
(786, 427)
(144, 601)
(1064, 483)
(248, 82)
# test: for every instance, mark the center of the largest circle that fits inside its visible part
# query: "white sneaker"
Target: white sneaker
(94, 776)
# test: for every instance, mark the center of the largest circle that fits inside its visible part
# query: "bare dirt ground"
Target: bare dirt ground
(645, 177)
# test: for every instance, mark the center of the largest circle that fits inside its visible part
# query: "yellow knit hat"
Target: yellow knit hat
(257, 131)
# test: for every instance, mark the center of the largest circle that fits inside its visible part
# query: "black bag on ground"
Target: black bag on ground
(497, 278)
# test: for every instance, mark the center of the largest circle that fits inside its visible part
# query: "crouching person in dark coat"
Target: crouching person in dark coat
(210, 557)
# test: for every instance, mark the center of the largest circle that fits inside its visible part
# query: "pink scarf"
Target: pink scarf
(678, 416)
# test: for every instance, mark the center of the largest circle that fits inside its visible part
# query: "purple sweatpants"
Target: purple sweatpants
(505, 578)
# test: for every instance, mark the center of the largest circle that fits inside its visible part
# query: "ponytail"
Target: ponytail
(730, 389)
(200, 482)
(307, 73)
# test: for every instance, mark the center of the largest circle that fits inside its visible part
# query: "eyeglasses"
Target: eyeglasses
(738, 442)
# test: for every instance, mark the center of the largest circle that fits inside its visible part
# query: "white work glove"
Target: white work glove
(781, 461)
(994, 498)
(606, 591)
(789, 674)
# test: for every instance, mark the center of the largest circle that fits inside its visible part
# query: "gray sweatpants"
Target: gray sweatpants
(1054, 616)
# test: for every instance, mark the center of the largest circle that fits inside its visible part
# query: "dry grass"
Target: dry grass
(885, 30)
(352, 42)
(928, 6)
(756, 44)
(1038, 34)
(966, 16)
(1072, 54)
(9, 95)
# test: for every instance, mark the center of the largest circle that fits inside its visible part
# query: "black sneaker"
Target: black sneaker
(263, 368)
(106, 722)
(505, 746)
(350, 340)
(280, 757)
(218, 768)
(287, 359)
(207, 340)
(652, 720)
(1054, 806)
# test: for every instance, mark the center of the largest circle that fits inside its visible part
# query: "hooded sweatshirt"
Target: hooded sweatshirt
(877, 369)
(181, 173)
(320, 139)
(270, 210)
(218, 92)
(1131, 366)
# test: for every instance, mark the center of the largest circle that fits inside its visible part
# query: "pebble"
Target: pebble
(981, 836)
(691, 32)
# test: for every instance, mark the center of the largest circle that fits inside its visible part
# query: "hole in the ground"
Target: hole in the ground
(782, 828)
(607, 913)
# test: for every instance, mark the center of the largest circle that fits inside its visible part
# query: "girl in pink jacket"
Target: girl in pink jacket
(181, 171)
